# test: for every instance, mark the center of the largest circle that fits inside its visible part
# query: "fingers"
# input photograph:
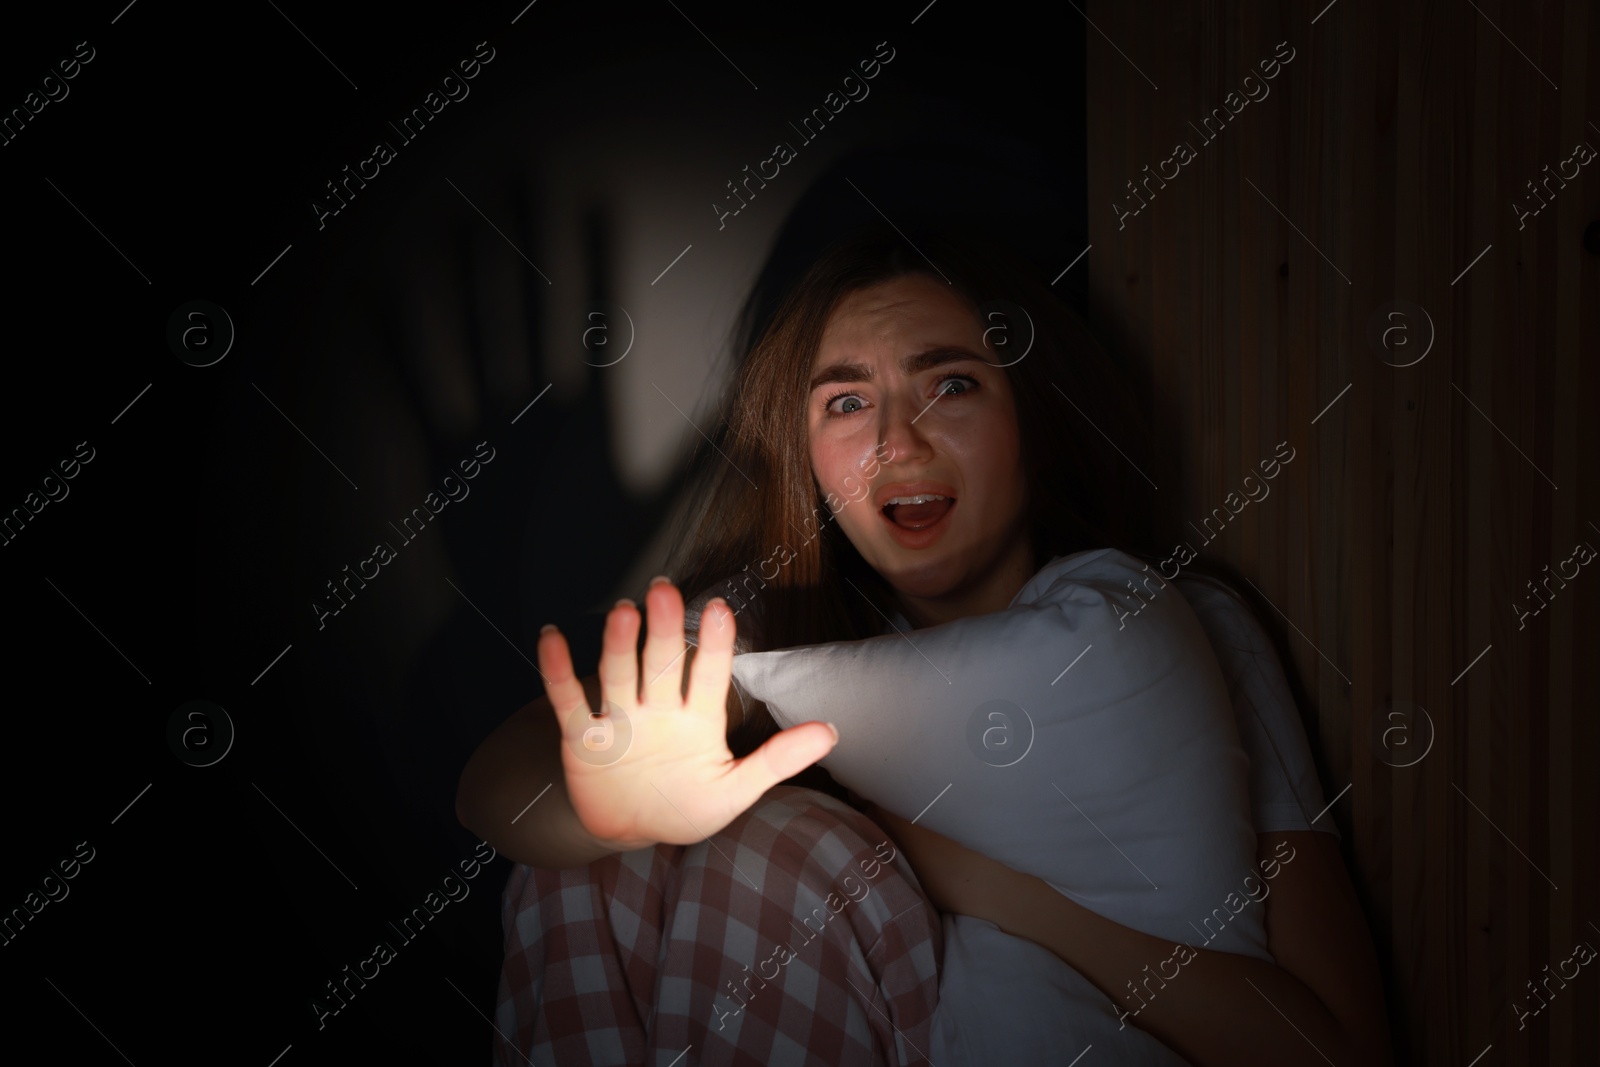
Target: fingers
(561, 683)
(664, 646)
(711, 669)
(781, 757)
(619, 656)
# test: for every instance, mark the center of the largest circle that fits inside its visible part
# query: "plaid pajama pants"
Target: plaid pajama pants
(796, 935)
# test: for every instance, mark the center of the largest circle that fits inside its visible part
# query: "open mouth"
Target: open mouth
(918, 512)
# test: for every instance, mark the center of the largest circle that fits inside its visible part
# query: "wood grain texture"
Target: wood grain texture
(1422, 500)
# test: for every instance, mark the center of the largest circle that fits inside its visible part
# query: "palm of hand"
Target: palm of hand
(656, 767)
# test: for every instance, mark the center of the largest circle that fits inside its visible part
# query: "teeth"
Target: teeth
(920, 498)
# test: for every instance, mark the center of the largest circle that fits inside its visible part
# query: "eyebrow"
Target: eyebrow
(914, 363)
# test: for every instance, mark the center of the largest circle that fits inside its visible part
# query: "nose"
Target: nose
(904, 417)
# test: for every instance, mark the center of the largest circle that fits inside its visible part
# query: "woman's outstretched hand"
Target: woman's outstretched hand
(655, 767)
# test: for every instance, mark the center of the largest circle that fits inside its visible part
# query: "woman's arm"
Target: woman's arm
(1322, 1002)
(1318, 933)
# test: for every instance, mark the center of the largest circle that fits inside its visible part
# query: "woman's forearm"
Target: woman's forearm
(1216, 1009)
(513, 794)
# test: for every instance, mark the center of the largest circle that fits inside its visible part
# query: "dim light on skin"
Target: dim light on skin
(903, 365)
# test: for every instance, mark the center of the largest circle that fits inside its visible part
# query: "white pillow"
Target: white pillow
(1116, 773)
(1285, 792)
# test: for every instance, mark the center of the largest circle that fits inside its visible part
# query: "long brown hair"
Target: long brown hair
(760, 509)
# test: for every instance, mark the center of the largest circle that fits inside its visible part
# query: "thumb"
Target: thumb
(782, 756)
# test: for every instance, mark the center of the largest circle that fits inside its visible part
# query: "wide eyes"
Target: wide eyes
(847, 403)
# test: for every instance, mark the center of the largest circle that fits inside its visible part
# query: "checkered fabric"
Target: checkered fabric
(783, 939)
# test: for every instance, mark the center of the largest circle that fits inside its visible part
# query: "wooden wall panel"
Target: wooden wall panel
(1383, 166)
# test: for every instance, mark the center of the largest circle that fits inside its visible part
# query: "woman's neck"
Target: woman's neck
(992, 592)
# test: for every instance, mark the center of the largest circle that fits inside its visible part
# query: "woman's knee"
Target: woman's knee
(795, 847)
(797, 828)
(815, 855)
(801, 812)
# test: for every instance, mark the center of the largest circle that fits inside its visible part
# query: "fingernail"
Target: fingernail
(548, 627)
(658, 579)
(835, 730)
(623, 603)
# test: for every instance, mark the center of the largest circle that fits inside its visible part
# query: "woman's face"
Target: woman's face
(907, 401)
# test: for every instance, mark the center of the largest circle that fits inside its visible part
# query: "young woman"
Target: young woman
(664, 871)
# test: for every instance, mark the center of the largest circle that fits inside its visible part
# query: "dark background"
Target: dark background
(188, 552)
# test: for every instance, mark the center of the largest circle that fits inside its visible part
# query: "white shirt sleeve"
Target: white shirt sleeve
(1285, 793)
